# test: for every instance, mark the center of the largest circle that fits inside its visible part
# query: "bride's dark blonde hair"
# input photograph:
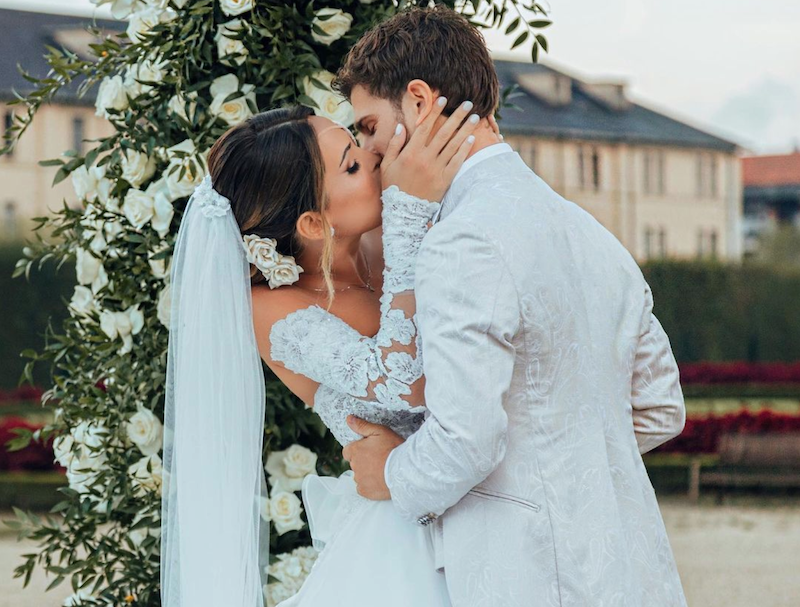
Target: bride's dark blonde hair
(270, 167)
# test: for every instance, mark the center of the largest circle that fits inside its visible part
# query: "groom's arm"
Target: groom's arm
(658, 409)
(467, 313)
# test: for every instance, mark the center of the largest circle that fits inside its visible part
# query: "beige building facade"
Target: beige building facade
(27, 189)
(659, 201)
(662, 187)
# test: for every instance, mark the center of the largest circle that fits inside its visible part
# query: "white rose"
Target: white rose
(148, 71)
(261, 252)
(88, 183)
(144, 480)
(81, 597)
(141, 22)
(236, 7)
(286, 509)
(178, 102)
(62, 449)
(145, 430)
(164, 306)
(90, 270)
(264, 509)
(334, 22)
(288, 468)
(331, 105)
(162, 214)
(111, 96)
(82, 302)
(123, 325)
(286, 272)
(237, 110)
(159, 267)
(120, 9)
(182, 156)
(227, 47)
(138, 208)
(112, 229)
(300, 461)
(137, 167)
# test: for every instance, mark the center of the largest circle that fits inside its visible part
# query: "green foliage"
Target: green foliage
(106, 356)
(716, 312)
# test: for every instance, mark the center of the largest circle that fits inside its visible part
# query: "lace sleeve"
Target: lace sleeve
(386, 368)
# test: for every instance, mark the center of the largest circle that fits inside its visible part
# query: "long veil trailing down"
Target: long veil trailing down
(214, 543)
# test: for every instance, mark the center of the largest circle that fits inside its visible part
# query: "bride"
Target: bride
(292, 201)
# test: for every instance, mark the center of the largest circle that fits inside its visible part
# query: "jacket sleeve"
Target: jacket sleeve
(658, 408)
(468, 313)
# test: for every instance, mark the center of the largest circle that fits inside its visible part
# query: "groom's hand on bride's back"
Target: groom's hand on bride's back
(368, 456)
(426, 165)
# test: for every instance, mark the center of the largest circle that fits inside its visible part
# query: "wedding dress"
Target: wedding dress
(369, 554)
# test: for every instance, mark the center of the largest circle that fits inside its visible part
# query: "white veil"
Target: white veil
(214, 543)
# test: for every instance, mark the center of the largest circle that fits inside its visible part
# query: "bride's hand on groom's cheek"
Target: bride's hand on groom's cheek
(368, 456)
(425, 166)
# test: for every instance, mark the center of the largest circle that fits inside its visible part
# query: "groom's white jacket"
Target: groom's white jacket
(547, 375)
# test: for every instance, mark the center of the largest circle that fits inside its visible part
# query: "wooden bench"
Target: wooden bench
(751, 461)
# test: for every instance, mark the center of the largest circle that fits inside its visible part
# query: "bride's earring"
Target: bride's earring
(332, 231)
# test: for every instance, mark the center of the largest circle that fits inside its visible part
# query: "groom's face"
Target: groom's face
(375, 120)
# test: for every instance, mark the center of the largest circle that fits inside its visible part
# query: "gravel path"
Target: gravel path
(735, 555)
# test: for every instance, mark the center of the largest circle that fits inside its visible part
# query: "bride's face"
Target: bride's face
(352, 180)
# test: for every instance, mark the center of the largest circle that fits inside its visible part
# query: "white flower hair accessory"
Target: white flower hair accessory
(212, 203)
(277, 269)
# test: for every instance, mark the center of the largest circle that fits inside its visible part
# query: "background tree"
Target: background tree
(182, 73)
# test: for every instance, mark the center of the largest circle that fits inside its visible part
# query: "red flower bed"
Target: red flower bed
(740, 373)
(21, 394)
(701, 434)
(35, 456)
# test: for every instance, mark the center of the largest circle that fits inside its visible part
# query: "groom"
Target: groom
(547, 374)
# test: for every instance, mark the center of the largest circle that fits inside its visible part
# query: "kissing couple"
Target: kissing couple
(484, 350)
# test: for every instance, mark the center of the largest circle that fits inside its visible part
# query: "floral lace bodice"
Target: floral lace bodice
(371, 377)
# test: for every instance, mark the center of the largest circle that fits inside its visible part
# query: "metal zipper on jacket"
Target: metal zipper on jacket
(508, 498)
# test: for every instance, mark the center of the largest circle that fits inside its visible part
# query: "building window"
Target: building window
(699, 175)
(654, 172)
(662, 242)
(595, 169)
(713, 243)
(10, 220)
(8, 122)
(581, 169)
(77, 135)
(532, 157)
(648, 242)
(707, 180)
(701, 238)
(712, 169)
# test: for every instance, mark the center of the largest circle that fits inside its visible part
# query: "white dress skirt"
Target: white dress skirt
(369, 555)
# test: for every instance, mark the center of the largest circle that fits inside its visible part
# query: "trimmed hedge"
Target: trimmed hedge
(716, 312)
(25, 308)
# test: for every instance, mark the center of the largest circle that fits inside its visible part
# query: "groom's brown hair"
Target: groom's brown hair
(436, 45)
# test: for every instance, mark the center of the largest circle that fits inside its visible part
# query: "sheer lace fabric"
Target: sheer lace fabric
(387, 368)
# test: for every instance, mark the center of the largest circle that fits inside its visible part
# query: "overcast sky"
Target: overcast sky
(729, 66)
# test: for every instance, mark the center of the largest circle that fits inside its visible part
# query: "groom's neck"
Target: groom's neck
(484, 137)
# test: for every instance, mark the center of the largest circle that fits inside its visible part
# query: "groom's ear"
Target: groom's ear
(418, 100)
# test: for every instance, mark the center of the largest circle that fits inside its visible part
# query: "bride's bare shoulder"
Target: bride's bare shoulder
(271, 305)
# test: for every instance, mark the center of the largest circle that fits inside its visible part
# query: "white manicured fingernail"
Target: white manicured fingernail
(466, 106)
(442, 101)
(398, 129)
(474, 119)
(471, 139)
